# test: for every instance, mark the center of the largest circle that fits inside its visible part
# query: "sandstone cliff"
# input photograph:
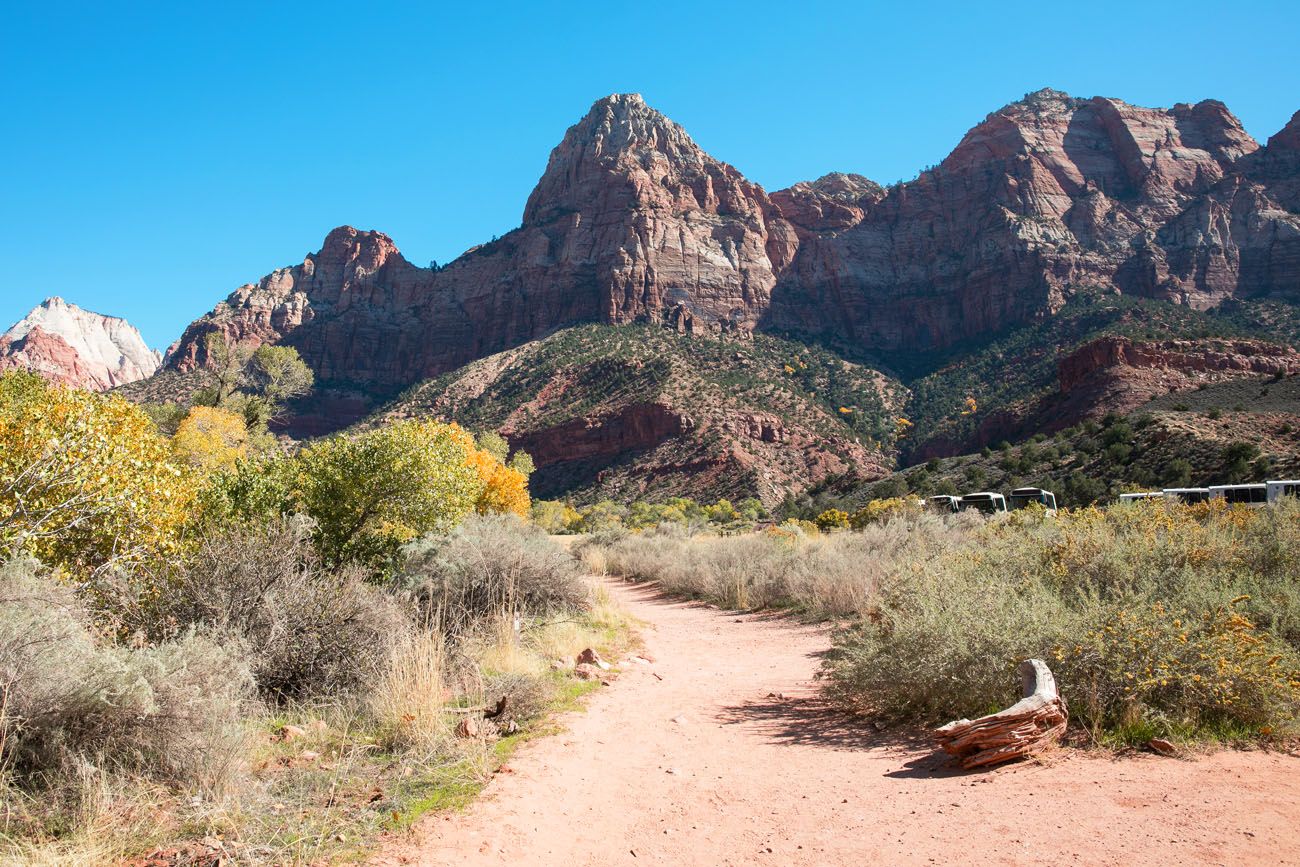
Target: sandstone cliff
(632, 221)
(76, 347)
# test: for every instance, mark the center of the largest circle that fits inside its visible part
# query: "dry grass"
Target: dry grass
(1183, 622)
(370, 757)
(827, 575)
(407, 702)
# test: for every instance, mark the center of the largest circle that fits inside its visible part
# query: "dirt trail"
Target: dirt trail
(705, 767)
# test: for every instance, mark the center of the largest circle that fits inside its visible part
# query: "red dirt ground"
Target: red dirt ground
(731, 759)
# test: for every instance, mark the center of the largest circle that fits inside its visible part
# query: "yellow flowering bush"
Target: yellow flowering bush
(1180, 669)
(833, 519)
(879, 511)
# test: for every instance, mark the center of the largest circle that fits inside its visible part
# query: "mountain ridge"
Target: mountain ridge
(74, 346)
(1050, 200)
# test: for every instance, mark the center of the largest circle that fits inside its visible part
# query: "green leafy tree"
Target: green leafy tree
(605, 515)
(275, 375)
(722, 512)
(495, 445)
(372, 493)
(253, 383)
(555, 517)
(1237, 458)
(1178, 473)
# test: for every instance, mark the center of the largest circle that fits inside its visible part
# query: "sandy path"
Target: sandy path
(744, 778)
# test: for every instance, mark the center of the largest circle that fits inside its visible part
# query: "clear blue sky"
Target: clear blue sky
(156, 156)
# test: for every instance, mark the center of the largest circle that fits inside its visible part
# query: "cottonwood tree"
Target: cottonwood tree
(255, 383)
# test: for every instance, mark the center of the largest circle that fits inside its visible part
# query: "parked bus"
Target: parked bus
(1282, 488)
(1022, 497)
(1140, 495)
(944, 503)
(1240, 495)
(983, 501)
(1187, 495)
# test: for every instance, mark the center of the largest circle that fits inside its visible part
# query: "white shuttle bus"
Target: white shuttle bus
(1022, 497)
(1141, 495)
(1282, 488)
(1240, 495)
(1186, 495)
(943, 503)
(988, 502)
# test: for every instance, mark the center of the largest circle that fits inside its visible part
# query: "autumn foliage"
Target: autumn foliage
(86, 481)
(209, 438)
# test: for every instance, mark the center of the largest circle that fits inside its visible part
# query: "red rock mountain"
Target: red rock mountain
(76, 347)
(633, 221)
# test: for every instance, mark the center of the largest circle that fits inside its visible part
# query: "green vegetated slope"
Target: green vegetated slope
(1010, 374)
(756, 414)
(1097, 460)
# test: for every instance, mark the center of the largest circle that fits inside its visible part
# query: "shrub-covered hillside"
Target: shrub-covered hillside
(1095, 461)
(642, 412)
(1008, 377)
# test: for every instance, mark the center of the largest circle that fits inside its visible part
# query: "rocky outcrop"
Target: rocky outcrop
(636, 427)
(1045, 197)
(632, 221)
(76, 347)
(1185, 359)
(1116, 374)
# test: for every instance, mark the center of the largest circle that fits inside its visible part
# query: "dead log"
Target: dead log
(1027, 726)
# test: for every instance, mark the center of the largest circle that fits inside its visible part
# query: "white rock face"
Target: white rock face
(104, 351)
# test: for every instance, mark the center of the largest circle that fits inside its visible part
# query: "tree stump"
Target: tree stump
(1027, 726)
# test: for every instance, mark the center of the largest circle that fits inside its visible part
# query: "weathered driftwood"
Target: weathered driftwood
(1028, 725)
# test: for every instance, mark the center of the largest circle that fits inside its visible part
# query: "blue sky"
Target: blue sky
(156, 156)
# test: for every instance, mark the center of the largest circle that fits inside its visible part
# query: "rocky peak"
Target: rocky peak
(833, 201)
(623, 121)
(1209, 126)
(1044, 101)
(1287, 138)
(623, 138)
(74, 346)
(632, 221)
(351, 254)
(1056, 147)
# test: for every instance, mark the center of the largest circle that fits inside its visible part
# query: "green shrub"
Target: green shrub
(371, 493)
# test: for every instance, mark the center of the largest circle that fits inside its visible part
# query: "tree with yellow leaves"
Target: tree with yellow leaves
(504, 482)
(210, 439)
(86, 481)
(504, 489)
